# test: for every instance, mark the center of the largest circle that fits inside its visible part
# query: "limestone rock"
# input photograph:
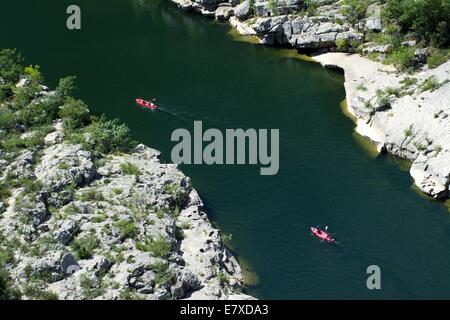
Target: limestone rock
(243, 10)
(224, 12)
(65, 231)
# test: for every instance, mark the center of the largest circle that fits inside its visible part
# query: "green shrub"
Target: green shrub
(408, 81)
(223, 278)
(160, 213)
(66, 87)
(163, 275)
(128, 294)
(5, 92)
(74, 113)
(33, 72)
(431, 83)
(5, 191)
(40, 113)
(130, 169)
(30, 186)
(10, 65)
(7, 119)
(341, 44)
(347, 45)
(178, 194)
(84, 247)
(107, 136)
(91, 195)
(409, 131)
(22, 97)
(273, 5)
(437, 57)
(91, 288)
(7, 291)
(428, 19)
(361, 87)
(355, 9)
(127, 228)
(160, 247)
(383, 98)
(14, 143)
(402, 58)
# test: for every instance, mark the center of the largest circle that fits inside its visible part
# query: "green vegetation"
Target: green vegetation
(108, 136)
(91, 195)
(311, 8)
(163, 275)
(409, 131)
(436, 57)
(129, 294)
(403, 58)
(348, 45)
(431, 84)
(273, 6)
(91, 287)
(127, 228)
(42, 245)
(35, 112)
(408, 82)
(361, 87)
(10, 65)
(355, 10)
(74, 113)
(36, 289)
(7, 291)
(419, 146)
(428, 20)
(130, 169)
(223, 278)
(178, 194)
(160, 213)
(437, 150)
(84, 247)
(159, 247)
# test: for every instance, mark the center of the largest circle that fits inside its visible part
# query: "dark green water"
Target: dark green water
(148, 48)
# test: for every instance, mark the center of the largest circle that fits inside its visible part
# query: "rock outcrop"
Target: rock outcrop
(405, 115)
(80, 224)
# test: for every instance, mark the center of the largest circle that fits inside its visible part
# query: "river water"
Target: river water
(328, 175)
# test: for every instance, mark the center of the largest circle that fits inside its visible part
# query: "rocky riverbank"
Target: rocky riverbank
(86, 213)
(405, 113)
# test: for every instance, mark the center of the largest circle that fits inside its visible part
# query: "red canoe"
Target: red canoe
(145, 104)
(322, 235)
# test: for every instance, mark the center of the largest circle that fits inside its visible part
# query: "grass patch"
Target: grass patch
(84, 247)
(159, 247)
(130, 169)
(432, 84)
(127, 228)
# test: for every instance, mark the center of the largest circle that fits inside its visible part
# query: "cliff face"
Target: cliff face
(403, 112)
(84, 220)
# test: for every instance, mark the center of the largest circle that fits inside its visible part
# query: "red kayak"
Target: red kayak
(322, 235)
(145, 104)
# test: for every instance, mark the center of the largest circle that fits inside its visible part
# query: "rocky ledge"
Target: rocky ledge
(403, 113)
(81, 218)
